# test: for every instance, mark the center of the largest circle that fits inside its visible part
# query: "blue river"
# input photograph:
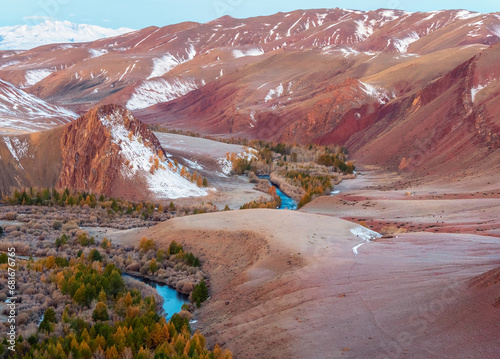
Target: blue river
(172, 300)
(286, 202)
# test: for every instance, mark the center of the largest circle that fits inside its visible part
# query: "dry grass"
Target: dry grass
(391, 230)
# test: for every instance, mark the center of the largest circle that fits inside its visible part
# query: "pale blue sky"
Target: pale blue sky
(142, 13)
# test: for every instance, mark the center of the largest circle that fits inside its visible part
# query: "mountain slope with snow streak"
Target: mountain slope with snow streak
(152, 92)
(328, 76)
(166, 63)
(208, 52)
(21, 112)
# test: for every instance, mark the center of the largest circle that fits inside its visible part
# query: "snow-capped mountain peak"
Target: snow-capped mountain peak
(25, 37)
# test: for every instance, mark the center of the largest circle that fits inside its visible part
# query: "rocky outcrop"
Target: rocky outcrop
(91, 158)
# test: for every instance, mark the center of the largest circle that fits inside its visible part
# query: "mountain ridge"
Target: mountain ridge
(328, 76)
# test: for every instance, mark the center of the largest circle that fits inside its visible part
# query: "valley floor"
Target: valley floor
(471, 206)
(289, 284)
(205, 156)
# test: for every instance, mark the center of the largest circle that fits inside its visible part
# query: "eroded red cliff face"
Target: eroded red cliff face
(449, 124)
(342, 110)
(91, 158)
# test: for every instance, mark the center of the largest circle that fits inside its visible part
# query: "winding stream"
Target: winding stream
(286, 202)
(10, 223)
(172, 300)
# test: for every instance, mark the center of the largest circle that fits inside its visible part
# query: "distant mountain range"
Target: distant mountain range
(417, 91)
(25, 37)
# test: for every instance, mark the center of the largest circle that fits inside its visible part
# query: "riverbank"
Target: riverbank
(297, 193)
(184, 286)
(286, 201)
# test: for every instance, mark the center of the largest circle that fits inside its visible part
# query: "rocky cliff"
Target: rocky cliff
(91, 158)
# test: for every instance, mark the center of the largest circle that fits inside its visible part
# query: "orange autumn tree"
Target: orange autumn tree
(147, 244)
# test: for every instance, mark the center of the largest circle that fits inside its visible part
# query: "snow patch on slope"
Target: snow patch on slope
(164, 182)
(17, 148)
(431, 15)
(159, 90)
(193, 164)
(389, 14)
(295, 24)
(363, 31)
(475, 90)
(10, 63)
(495, 30)
(379, 94)
(274, 93)
(35, 76)
(164, 64)
(250, 52)
(365, 234)
(465, 14)
(402, 44)
(226, 166)
(334, 49)
(97, 53)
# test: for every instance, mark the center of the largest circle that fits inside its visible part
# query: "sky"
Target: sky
(137, 14)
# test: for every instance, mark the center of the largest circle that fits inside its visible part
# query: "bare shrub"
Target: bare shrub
(70, 226)
(57, 225)
(21, 248)
(9, 229)
(31, 290)
(22, 318)
(187, 288)
(252, 177)
(186, 314)
(11, 216)
(180, 267)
